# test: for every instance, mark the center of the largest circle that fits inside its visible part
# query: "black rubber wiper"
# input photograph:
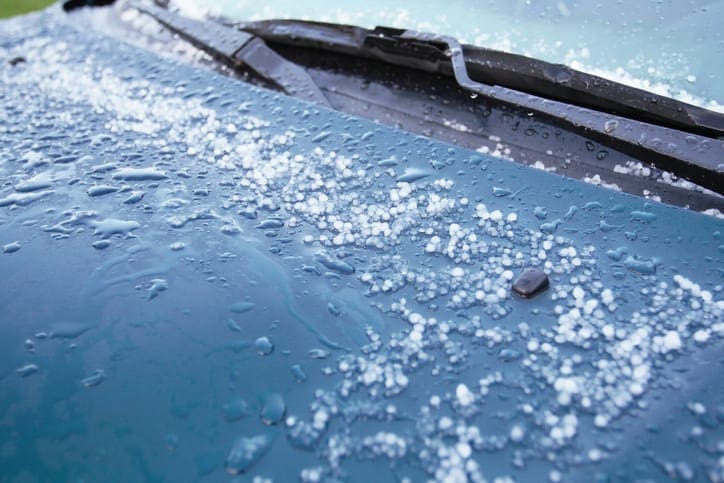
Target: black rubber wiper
(671, 135)
(236, 48)
(429, 52)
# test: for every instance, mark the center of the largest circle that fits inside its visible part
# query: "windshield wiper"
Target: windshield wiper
(668, 134)
(429, 52)
(236, 48)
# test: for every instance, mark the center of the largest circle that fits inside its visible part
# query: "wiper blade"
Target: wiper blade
(694, 156)
(699, 159)
(525, 74)
(236, 48)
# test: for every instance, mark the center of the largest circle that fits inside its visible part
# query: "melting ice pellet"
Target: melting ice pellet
(264, 346)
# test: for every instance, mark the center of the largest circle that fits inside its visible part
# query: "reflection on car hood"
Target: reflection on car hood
(203, 278)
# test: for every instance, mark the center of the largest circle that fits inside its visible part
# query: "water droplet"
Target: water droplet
(501, 192)
(551, 227)
(101, 244)
(36, 183)
(318, 354)
(94, 379)
(233, 326)
(571, 212)
(640, 265)
(11, 247)
(245, 452)
(610, 126)
(339, 266)
(298, 373)
(134, 197)
(171, 441)
(591, 205)
(139, 174)
(248, 213)
(67, 330)
(606, 227)
(333, 309)
(158, 285)
(437, 164)
(113, 226)
(264, 346)
(23, 199)
(643, 216)
(100, 190)
(411, 175)
(388, 163)
(273, 408)
(235, 410)
(321, 137)
(270, 224)
(241, 307)
(27, 370)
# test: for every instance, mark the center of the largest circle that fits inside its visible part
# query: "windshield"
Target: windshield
(670, 48)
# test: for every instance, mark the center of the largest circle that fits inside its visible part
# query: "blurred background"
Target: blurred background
(8, 8)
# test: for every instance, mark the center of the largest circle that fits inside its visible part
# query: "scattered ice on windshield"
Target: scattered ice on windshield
(657, 87)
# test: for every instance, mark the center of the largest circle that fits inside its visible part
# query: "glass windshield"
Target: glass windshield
(671, 48)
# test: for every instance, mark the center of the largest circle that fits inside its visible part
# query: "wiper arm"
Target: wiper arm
(699, 159)
(684, 152)
(237, 48)
(492, 67)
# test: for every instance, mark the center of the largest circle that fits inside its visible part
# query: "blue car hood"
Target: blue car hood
(205, 280)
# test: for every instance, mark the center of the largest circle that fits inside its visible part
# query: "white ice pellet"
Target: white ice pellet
(601, 421)
(463, 449)
(517, 433)
(457, 272)
(594, 454)
(464, 396)
(496, 215)
(701, 336)
(671, 341)
(607, 296)
(445, 423)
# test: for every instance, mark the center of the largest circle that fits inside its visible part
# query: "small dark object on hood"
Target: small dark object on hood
(530, 283)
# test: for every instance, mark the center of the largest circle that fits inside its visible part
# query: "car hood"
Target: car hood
(200, 276)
